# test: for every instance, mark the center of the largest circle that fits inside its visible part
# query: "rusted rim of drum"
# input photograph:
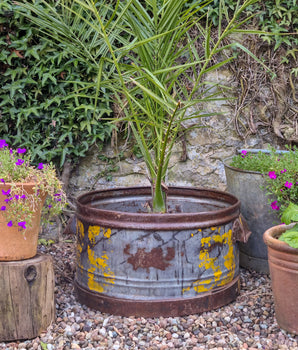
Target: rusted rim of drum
(149, 221)
(163, 307)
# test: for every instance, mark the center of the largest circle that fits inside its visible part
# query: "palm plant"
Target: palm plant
(144, 54)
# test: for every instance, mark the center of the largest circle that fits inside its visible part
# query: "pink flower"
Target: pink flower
(288, 184)
(244, 153)
(19, 162)
(40, 166)
(3, 207)
(274, 205)
(272, 174)
(3, 143)
(283, 171)
(21, 150)
(9, 223)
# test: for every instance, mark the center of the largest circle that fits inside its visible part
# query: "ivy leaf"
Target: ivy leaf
(291, 237)
(290, 214)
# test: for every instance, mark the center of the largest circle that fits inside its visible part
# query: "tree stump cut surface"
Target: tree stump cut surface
(27, 305)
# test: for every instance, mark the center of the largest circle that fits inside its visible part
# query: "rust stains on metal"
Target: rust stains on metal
(154, 258)
(160, 307)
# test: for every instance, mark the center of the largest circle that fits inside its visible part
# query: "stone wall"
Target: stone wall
(205, 150)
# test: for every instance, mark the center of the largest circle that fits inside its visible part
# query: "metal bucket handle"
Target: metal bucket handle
(240, 230)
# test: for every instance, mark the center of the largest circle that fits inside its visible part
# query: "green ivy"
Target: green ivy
(43, 107)
(279, 16)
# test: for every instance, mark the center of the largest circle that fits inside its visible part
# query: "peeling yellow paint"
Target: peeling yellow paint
(229, 260)
(100, 264)
(92, 284)
(80, 230)
(203, 286)
(93, 231)
(107, 233)
(186, 289)
(80, 235)
(207, 262)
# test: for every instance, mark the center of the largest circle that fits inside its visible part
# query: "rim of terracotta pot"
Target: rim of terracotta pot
(271, 239)
(30, 184)
(29, 188)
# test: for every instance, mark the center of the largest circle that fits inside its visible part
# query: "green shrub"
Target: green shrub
(43, 107)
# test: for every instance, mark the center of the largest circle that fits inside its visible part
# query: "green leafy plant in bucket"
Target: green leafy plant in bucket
(157, 72)
(280, 171)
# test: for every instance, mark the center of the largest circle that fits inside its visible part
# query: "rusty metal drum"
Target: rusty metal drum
(131, 262)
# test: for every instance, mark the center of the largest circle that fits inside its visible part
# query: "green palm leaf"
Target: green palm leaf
(142, 52)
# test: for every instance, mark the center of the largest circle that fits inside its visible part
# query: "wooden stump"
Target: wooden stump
(27, 305)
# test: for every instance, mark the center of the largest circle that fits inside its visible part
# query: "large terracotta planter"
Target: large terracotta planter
(283, 265)
(14, 243)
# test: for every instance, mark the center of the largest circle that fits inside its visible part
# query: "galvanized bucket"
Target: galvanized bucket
(246, 186)
(131, 262)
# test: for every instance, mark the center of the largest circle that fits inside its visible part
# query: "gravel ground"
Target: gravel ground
(247, 323)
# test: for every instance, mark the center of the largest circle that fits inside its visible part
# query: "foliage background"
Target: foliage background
(44, 108)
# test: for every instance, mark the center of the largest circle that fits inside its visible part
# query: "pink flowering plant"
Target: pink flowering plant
(280, 171)
(17, 205)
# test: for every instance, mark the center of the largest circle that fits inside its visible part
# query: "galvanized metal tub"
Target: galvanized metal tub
(131, 262)
(246, 186)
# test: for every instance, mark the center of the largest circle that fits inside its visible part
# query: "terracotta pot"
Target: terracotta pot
(15, 243)
(283, 265)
